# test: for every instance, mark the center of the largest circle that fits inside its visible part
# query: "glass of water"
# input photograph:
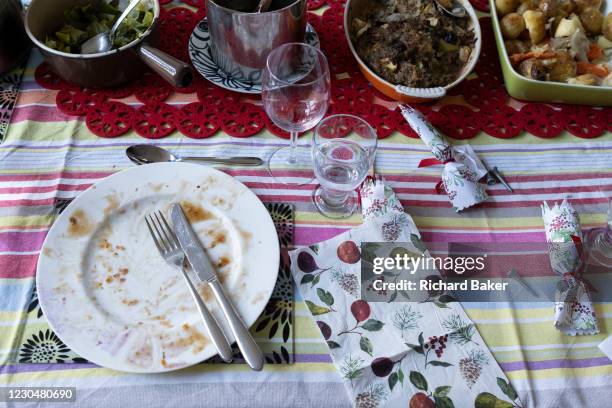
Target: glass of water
(295, 94)
(343, 151)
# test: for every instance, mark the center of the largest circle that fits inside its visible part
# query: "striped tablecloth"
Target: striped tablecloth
(46, 156)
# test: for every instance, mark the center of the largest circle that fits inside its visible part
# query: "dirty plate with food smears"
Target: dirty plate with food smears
(112, 299)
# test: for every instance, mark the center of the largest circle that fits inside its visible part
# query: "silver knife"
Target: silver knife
(204, 269)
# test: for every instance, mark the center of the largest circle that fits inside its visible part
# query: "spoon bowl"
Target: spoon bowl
(145, 154)
(103, 42)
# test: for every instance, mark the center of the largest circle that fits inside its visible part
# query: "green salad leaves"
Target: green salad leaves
(83, 22)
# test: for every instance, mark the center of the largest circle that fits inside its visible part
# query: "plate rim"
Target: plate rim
(94, 186)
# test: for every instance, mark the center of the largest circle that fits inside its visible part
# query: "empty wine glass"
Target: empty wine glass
(295, 94)
(343, 150)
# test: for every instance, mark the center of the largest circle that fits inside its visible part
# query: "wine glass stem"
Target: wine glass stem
(334, 198)
(293, 148)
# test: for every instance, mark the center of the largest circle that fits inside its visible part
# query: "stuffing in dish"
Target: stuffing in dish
(558, 40)
(412, 42)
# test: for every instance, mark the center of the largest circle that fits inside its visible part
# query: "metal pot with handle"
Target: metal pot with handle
(104, 69)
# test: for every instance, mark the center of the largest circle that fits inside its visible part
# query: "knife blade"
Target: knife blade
(190, 243)
(204, 269)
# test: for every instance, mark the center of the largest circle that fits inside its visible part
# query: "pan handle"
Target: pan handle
(176, 72)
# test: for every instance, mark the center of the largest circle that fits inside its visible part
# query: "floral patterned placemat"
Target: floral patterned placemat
(9, 89)
(273, 330)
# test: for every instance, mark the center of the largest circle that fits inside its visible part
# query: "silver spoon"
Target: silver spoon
(103, 42)
(451, 7)
(145, 154)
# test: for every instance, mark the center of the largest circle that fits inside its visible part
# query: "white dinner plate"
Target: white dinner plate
(109, 295)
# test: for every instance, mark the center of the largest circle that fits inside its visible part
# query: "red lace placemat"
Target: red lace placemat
(487, 107)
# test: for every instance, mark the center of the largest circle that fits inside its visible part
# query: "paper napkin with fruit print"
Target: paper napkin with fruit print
(573, 308)
(462, 167)
(394, 354)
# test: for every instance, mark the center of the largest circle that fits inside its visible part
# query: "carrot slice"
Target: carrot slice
(595, 69)
(594, 52)
(517, 58)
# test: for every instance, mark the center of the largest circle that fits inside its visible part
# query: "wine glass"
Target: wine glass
(343, 150)
(599, 243)
(295, 94)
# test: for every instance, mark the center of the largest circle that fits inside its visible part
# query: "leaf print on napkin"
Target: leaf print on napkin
(406, 319)
(487, 400)
(351, 368)
(461, 332)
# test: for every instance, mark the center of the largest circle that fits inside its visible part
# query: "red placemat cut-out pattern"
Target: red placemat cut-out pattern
(486, 105)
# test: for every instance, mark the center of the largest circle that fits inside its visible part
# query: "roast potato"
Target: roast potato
(512, 25)
(535, 24)
(606, 28)
(592, 20)
(548, 7)
(504, 7)
(516, 47)
(563, 69)
(585, 4)
(568, 6)
(524, 6)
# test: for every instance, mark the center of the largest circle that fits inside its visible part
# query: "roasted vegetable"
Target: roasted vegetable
(524, 6)
(563, 68)
(568, 26)
(83, 22)
(559, 40)
(596, 69)
(586, 79)
(504, 7)
(603, 43)
(548, 7)
(532, 68)
(535, 24)
(595, 52)
(585, 4)
(592, 20)
(567, 6)
(606, 28)
(516, 58)
(512, 25)
(515, 47)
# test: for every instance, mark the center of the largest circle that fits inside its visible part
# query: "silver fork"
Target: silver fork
(170, 249)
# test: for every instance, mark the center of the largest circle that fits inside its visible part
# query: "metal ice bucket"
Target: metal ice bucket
(241, 40)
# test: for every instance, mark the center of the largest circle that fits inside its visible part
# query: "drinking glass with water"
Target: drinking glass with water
(343, 151)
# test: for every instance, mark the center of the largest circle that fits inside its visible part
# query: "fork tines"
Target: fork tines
(164, 237)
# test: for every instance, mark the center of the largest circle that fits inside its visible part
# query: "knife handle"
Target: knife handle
(250, 350)
(216, 334)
